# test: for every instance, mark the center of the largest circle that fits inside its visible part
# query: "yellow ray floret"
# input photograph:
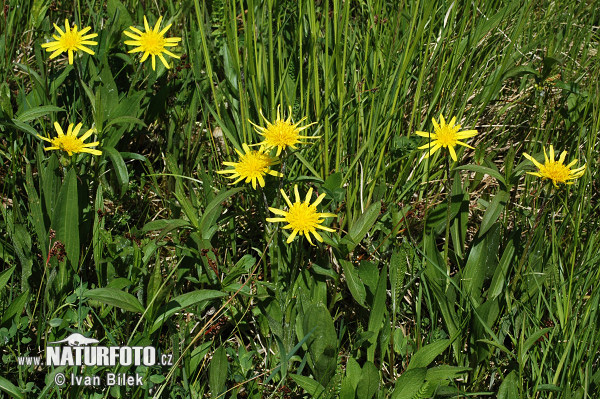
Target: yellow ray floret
(70, 142)
(282, 133)
(252, 166)
(152, 42)
(445, 135)
(302, 216)
(70, 41)
(556, 171)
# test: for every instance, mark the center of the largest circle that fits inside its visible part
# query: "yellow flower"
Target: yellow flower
(252, 166)
(302, 217)
(445, 135)
(282, 133)
(556, 171)
(70, 142)
(152, 42)
(70, 40)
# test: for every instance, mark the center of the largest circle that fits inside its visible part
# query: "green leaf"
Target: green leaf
(124, 119)
(35, 212)
(533, 338)
(445, 372)
(355, 285)
(10, 389)
(118, 13)
(353, 371)
(37, 112)
(482, 261)
(311, 386)
(5, 276)
(119, 166)
(369, 382)
(165, 224)
(182, 301)
(65, 220)
(508, 389)
(115, 297)
(497, 284)
(377, 312)
(217, 373)
(25, 127)
(50, 181)
(361, 227)
(493, 211)
(409, 383)
(213, 210)
(428, 353)
(484, 170)
(398, 267)
(16, 306)
(322, 345)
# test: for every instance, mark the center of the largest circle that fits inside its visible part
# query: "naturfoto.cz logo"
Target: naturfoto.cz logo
(77, 353)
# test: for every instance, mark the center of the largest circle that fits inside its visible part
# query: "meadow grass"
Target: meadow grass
(442, 278)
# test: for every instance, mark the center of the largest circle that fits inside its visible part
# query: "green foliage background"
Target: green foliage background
(442, 280)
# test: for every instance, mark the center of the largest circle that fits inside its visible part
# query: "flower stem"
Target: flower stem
(449, 202)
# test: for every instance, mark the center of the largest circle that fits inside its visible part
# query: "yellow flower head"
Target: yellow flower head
(252, 166)
(445, 135)
(282, 133)
(556, 171)
(70, 40)
(152, 42)
(70, 142)
(302, 217)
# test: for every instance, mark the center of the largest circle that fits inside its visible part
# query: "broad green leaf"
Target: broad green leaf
(369, 381)
(353, 371)
(509, 387)
(124, 119)
(16, 306)
(35, 212)
(50, 181)
(182, 301)
(311, 386)
(212, 210)
(497, 284)
(165, 223)
(9, 388)
(377, 312)
(427, 354)
(493, 211)
(241, 267)
(485, 170)
(154, 283)
(119, 167)
(355, 285)
(5, 276)
(398, 267)
(322, 345)
(409, 383)
(482, 261)
(531, 340)
(445, 372)
(437, 218)
(217, 372)
(25, 128)
(37, 112)
(22, 245)
(361, 227)
(115, 297)
(65, 220)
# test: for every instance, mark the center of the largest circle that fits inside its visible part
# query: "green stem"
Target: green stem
(449, 202)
